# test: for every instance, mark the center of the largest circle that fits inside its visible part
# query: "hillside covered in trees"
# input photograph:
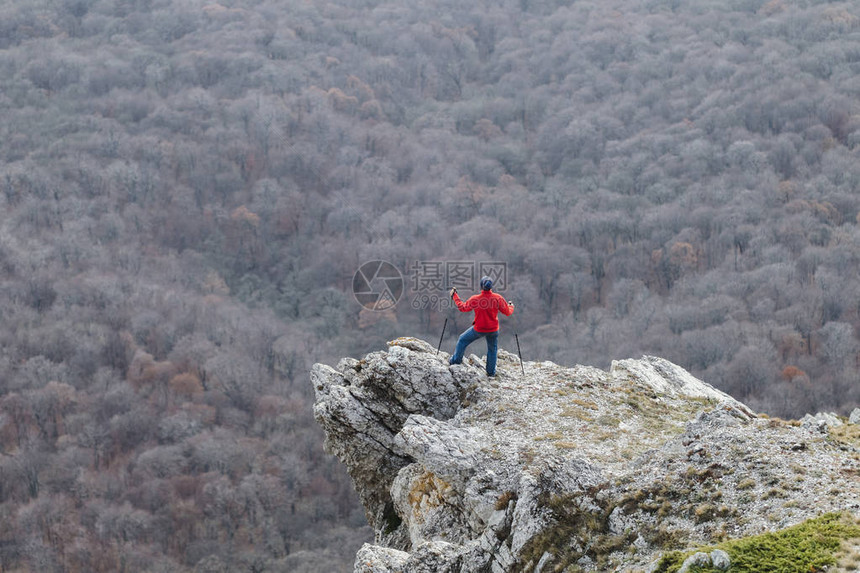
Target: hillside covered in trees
(188, 188)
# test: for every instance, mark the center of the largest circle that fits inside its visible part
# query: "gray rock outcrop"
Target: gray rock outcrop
(605, 470)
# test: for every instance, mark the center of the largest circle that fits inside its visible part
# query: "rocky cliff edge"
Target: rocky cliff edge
(564, 468)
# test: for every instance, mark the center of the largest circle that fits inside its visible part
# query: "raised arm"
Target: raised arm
(460, 304)
(506, 307)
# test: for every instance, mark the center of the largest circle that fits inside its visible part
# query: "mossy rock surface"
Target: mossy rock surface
(810, 546)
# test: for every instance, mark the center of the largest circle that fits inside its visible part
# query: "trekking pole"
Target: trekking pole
(441, 337)
(453, 290)
(520, 353)
(454, 319)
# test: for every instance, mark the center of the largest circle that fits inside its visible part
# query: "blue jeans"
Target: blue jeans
(471, 336)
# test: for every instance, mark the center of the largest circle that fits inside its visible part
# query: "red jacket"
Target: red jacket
(487, 306)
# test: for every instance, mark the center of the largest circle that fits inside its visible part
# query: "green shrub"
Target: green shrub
(805, 547)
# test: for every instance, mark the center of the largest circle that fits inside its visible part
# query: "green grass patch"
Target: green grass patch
(803, 548)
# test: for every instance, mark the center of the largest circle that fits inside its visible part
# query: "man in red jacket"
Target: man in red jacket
(487, 306)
